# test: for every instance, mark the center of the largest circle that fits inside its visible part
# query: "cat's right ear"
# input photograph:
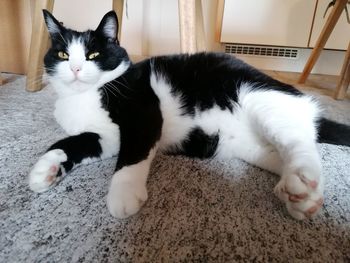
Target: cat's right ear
(53, 26)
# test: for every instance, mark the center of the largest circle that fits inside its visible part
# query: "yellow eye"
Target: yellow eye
(93, 55)
(63, 55)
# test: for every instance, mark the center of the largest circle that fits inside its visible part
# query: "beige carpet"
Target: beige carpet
(202, 211)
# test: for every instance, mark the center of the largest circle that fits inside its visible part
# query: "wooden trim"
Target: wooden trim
(219, 19)
(344, 80)
(322, 39)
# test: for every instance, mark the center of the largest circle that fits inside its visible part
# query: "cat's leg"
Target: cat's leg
(248, 146)
(62, 156)
(287, 123)
(127, 191)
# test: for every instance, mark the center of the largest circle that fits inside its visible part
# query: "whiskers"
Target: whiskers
(114, 90)
(107, 96)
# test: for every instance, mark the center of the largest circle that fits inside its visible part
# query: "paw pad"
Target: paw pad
(302, 193)
(45, 172)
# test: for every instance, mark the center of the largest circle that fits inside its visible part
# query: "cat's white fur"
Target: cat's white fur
(269, 129)
(127, 191)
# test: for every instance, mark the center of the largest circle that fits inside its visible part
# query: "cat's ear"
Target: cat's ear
(53, 26)
(108, 26)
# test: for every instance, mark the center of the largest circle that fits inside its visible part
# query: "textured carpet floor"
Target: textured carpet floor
(201, 211)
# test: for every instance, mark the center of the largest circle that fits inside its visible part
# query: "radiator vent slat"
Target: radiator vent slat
(263, 51)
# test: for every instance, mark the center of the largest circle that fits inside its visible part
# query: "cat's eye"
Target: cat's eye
(63, 55)
(93, 55)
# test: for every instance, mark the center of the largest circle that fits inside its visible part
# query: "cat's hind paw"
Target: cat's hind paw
(126, 198)
(302, 192)
(45, 172)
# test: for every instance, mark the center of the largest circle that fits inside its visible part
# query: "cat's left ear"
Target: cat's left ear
(108, 26)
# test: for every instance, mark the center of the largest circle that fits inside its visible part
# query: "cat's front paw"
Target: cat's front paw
(126, 198)
(45, 171)
(302, 191)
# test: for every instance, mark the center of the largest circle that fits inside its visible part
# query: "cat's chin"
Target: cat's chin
(80, 86)
(73, 87)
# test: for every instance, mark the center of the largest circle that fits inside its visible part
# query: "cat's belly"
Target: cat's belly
(214, 126)
(218, 133)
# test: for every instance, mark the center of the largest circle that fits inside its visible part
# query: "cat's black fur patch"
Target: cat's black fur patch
(204, 80)
(200, 145)
(133, 105)
(332, 132)
(79, 147)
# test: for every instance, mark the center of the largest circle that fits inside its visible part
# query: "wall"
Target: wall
(81, 14)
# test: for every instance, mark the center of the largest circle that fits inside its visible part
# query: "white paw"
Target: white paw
(302, 191)
(126, 198)
(44, 172)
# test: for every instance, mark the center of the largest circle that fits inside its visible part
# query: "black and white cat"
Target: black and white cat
(206, 105)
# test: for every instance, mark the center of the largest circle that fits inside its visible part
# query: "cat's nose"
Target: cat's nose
(75, 69)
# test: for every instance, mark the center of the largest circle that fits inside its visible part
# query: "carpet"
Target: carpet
(197, 211)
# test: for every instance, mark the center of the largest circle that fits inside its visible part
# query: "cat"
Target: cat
(205, 105)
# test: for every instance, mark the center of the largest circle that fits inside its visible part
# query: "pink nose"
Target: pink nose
(75, 69)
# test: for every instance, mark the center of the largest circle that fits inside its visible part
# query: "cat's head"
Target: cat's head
(79, 61)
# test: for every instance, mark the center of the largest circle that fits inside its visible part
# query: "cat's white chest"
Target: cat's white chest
(82, 112)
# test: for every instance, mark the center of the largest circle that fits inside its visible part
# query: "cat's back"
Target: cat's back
(209, 79)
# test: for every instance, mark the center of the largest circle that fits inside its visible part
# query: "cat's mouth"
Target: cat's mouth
(85, 78)
(79, 80)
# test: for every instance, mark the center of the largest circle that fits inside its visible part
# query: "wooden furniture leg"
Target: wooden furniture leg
(322, 39)
(219, 18)
(344, 80)
(2, 81)
(118, 6)
(192, 38)
(38, 45)
(200, 34)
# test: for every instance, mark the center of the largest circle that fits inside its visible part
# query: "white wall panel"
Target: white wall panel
(268, 22)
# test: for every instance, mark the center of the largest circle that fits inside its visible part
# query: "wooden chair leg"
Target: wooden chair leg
(38, 45)
(344, 80)
(200, 33)
(187, 19)
(118, 6)
(322, 39)
(192, 37)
